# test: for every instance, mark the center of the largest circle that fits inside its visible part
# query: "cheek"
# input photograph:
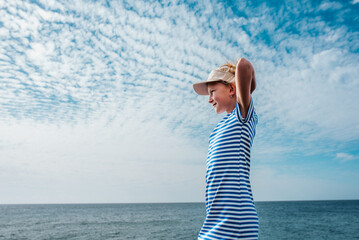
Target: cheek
(218, 97)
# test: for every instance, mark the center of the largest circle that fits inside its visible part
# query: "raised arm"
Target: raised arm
(245, 84)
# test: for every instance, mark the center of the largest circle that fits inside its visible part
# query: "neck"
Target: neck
(231, 107)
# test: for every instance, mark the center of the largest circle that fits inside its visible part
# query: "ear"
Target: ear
(232, 89)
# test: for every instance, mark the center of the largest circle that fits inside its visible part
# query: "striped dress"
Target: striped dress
(231, 213)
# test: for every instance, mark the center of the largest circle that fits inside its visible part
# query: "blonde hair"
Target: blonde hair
(229, 67)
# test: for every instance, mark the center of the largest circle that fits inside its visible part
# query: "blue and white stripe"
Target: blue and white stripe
(231, 213)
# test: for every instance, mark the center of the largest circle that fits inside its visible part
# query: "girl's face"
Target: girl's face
(222, 97)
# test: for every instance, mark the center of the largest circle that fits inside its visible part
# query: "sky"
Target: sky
(97, 104)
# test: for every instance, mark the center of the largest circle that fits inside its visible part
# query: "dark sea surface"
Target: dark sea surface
(278, 220)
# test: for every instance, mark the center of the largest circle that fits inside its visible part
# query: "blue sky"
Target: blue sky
(96, 99)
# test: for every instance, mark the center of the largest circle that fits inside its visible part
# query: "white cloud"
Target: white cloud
(330, 6)
(345, 157)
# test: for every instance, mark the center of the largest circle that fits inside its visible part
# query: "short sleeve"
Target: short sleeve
(249, 113)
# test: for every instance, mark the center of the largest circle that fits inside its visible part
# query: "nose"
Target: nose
(210, 99)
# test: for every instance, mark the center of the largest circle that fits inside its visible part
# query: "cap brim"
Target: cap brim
(201, 88)
(215, 76)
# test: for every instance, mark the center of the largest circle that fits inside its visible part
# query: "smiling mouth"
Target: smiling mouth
(214, 104)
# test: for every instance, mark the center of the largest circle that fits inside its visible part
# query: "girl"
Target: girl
(230, 210)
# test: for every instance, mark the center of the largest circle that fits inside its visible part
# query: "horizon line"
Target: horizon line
(114, 203)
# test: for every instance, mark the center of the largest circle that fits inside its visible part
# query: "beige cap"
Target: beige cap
(214, 76)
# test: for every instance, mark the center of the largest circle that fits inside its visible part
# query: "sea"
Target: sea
(288, 220)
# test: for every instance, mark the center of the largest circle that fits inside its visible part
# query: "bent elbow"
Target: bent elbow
(243, 64)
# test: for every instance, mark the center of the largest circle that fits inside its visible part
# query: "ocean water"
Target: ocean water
(278, 220)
